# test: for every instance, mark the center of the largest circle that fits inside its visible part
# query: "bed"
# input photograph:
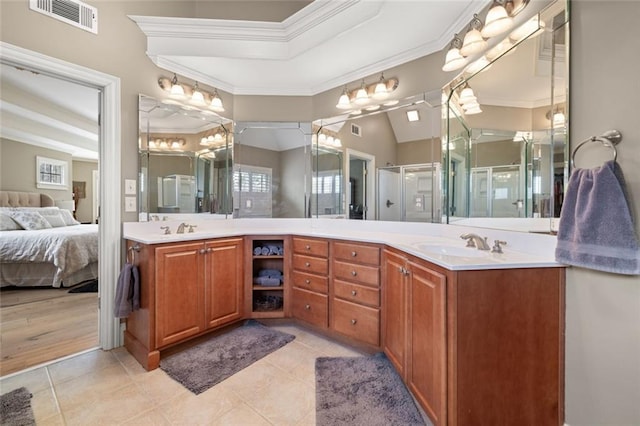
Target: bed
(42, 245)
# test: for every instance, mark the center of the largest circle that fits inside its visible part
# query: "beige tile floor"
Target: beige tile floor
(111, 388)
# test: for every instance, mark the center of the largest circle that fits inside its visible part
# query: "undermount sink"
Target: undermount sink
(447, 250)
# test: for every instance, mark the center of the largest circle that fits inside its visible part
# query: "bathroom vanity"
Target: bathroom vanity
(476, 336)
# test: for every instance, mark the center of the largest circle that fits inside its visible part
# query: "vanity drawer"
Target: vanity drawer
(357, 253)
(357, 293)
(310, 282)
(367, 275)
(310, 246)
(357, 321)
(316, 265)
(310, 307)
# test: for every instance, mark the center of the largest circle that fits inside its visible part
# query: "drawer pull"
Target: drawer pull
(307, 281)
(308, 247)
(354, 273)
(354, 293)
(307, 264)
(307, 306)
(354, 254)
(354, 321)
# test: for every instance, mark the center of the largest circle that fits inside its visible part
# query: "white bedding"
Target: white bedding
(68, 248)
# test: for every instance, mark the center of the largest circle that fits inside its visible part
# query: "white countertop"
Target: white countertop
(523, 250)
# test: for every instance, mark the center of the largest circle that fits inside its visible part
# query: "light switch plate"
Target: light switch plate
(129, 204)
(130, 186)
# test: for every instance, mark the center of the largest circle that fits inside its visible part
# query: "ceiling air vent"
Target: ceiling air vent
(72, 12)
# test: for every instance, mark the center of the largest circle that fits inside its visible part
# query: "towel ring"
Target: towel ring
(132, 251)
(609, 139)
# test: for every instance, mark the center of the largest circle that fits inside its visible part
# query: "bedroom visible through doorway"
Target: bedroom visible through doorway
(44, 115)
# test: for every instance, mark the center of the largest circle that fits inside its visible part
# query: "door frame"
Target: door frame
(110, 334)
(352, 154)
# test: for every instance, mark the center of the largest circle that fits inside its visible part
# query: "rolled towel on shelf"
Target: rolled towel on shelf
(267, 281)
(257, 251)
(265, 251)
(596, 229)
(273, 250)
(273, 273)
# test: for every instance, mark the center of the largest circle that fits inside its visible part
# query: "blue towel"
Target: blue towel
(257, 251)
(273, 273)
(127, 292)
(265, 251)
(273, 250)
(267, 281)
(596, 228)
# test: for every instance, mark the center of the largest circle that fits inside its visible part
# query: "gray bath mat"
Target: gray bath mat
(362, 391)
(207, 364)
(16, 408)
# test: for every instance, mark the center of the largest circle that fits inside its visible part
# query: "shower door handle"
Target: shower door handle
(389, 203)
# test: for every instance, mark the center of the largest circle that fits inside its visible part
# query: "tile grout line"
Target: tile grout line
(55, 394)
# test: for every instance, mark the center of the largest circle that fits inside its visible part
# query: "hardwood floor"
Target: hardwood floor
(40, 325)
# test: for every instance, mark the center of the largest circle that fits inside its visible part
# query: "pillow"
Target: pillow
(68, 217)
(29, 220)
(8, 224)
(55, 219)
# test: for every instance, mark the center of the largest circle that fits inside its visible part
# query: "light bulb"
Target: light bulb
(204, 141)
(344, 102)
(497, 21)
(216, 102)
(454, 60)
(467, 95)
(177, 91)
(197, 98)
(380, 91)
(361, 95)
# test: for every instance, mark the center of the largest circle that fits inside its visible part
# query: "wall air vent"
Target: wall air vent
(356, 130)
(72, 12)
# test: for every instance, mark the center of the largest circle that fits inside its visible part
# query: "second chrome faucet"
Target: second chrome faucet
(475, 240)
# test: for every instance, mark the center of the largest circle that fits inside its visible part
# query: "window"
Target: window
(51, 173)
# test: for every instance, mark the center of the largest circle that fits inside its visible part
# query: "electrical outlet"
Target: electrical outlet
(129, 204)
(130, 186)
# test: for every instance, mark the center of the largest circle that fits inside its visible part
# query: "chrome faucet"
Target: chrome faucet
(181, 228)
(475, 240)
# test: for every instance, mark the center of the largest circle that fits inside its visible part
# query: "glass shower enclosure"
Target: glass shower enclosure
(410, 193)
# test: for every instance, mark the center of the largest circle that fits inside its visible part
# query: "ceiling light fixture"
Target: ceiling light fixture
(413, 115)
(454, 60)
(473, 41)
(497, 21)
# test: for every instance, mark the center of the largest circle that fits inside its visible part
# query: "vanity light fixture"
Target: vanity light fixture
(381, 89)
(454, 60)
(176, 90)
(467, 95)
(497, 21)
(179, 92)
(500, 49)
(556, 117)
(413, 115)
(373, 107)
(480, 64)
(473, 41)
(197, 98)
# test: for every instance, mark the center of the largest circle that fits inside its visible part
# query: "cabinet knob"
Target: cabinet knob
(354, 293)
(307, 281)
(354, 254)
(354, 273)
(354, 321)
(401, 269)
(209, 250)
(307, 306)
(307, 264)
(202, 251)
(308, 247)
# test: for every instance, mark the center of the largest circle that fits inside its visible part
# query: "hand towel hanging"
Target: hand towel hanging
(596, 228)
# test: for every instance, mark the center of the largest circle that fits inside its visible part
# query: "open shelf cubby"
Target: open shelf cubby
(268, 277)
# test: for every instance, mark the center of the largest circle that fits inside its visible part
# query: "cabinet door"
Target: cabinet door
(426, 371)
(223, 282)
(179, 292)
(394, 310)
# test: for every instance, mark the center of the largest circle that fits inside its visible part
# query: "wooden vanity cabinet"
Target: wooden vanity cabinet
(186, 290)
(310, 279)
(355, 291)
(476, 347)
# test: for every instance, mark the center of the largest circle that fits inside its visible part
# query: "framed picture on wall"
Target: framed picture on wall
(52, 173)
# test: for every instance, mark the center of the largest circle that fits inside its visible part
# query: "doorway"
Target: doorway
(360, 186)
(110, 334)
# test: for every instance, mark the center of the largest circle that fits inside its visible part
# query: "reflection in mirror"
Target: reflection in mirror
(272, 170)
(506, 155)
(398, 145)
(184, 161)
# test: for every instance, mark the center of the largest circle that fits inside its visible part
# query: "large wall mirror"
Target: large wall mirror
(380, 163)
(506, 157)
(185, 161)
(272, 170)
